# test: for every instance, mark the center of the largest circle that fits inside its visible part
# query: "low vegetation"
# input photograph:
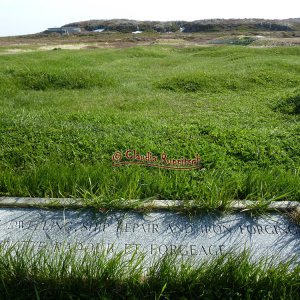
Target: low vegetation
(65, 275)
(290, 104)
(65, 113)
(44, 79)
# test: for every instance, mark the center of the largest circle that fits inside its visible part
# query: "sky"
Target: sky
(31, 16)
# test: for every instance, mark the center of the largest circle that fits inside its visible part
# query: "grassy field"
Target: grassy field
(64, 113)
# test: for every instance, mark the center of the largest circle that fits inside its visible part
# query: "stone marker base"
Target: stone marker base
(154, 204)
(153, 234)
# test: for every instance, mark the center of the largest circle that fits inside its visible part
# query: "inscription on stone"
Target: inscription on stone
(154, 234)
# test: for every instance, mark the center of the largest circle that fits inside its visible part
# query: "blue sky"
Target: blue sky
(31, 16)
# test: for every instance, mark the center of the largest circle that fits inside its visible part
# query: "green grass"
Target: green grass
(45, 79)
(64, 113)
(64, 275)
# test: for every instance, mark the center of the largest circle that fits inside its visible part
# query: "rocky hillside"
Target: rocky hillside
(212, 25)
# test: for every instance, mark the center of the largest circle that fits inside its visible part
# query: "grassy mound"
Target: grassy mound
(218, 83)
(290, 105)
(40, 80)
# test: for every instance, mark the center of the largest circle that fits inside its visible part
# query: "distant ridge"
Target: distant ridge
(207, 25)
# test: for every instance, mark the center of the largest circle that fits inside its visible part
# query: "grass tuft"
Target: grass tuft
(40, 80)
(290, 105)
(66, 275)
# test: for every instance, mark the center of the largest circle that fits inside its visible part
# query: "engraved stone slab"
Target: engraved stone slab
(155, 233)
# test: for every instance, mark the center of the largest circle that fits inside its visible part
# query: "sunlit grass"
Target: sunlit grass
(67, 275)
(64, 113)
